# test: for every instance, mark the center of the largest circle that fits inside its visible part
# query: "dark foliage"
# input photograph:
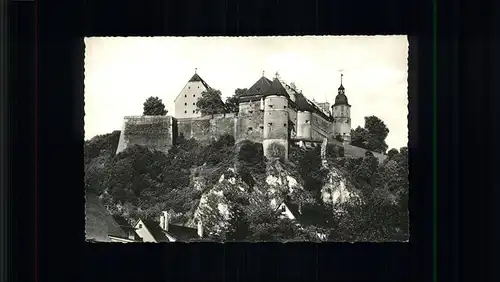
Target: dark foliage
(210, 102)
(154, 107)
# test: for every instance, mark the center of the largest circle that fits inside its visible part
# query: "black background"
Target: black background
(46, 142)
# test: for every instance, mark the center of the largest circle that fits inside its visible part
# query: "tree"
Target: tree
(154, 107)
(372, 136)
(377, 133)
(210, 102)
(232, 103)
(392, 152)
(339, 138)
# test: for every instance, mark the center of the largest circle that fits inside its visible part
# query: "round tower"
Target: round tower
(304, 129)
(275, 126)
(341, 112)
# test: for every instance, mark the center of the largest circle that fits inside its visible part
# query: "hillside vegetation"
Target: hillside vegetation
(230, 187)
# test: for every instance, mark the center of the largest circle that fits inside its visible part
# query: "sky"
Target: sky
(122, 72)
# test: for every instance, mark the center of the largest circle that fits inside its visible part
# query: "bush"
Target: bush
(276, 150)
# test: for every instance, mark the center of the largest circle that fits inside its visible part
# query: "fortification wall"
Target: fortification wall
(206, 128)
(250, 122)
(155, 132)
(357, 152)
(321, 128)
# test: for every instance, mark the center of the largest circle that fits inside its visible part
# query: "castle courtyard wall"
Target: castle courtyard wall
(155, 132)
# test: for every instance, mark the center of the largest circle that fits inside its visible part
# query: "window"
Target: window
(194, 104)
(284, 124)
(307, 121)
(198, 88)
(185, 96)
(250, 128)
(194, 111)
(185, 112)
(270, 106)
(261, 127)
(250, 111)
(284, 106)
(195, 95)
(283, 208)
(140, 225)
(189, 87)
(185, 104)
(270, 124)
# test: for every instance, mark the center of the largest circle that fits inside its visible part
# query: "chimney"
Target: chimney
(164, 222)
(200, 229)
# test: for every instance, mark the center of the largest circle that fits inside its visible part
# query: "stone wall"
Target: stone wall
(155, 132)
(357, 152)
(206, 128)
(250, 123)
(321, 128)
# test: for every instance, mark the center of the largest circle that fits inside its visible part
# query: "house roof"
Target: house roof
(98, 221)
(258, 88)
(155, 230)
(181, 233)
(123, 223)
(196, 77)
(276, 88)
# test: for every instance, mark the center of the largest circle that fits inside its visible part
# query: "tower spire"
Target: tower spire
(341, 76)
(195, 70)
(263, 73)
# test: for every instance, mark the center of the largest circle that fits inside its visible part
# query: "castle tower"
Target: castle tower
(304, 129)
(185, 102)
(341, 112)
(276, 121)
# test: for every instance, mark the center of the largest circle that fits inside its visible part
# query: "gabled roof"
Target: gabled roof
(182, 233)
(258, 88)
(196, 77)
(154, 228)
(276, 88)
(98, 221)
(124, 224)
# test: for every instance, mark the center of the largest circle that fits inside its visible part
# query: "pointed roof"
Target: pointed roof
(196, 77)
(276, 88)
(259, 87)
(99, 223)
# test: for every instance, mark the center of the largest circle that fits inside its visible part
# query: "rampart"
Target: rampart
(155, 132)
(206, 128)
(161, 132)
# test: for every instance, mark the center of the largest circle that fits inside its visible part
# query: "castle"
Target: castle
(270, 112)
